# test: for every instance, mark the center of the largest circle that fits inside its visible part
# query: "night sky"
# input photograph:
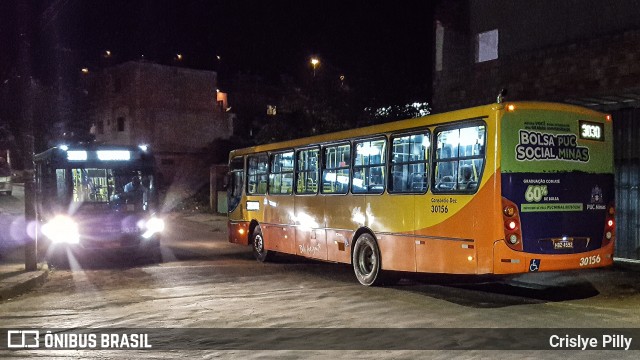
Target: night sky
(374, 44)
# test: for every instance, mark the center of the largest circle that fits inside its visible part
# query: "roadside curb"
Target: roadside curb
(22, 283)
(627, 264)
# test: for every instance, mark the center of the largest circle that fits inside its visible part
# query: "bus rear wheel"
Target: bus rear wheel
(366, 261)
(261, 254)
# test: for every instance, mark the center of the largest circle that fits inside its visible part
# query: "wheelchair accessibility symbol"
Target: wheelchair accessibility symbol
(534, 265)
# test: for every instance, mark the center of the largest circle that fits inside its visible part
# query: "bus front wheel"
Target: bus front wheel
(366, 260)
(261, 254)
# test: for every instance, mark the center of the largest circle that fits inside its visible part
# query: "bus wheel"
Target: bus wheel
(366, 260)
(261, 254)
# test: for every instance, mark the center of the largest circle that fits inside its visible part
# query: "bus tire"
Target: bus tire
(257, 241)
(156, 255)
(366, 261)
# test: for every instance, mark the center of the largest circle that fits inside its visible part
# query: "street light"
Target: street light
(314, 63)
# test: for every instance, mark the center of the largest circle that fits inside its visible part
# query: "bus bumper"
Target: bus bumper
(123, 248)
(508, 261)
(238, 232)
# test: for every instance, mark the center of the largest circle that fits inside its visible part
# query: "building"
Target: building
(178, 112)
(583, 52)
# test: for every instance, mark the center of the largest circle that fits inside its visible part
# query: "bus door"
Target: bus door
(309, 206)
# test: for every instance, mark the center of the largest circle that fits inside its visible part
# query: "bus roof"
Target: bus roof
(408, 124)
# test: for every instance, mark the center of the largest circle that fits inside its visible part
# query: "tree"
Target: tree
(396, 112)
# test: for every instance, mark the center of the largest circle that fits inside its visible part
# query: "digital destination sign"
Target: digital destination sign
(591, 130)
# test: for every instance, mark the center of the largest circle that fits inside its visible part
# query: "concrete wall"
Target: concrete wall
(527, 25)
(170, 108)
(548, 50)
(606, 66)
(584, 52)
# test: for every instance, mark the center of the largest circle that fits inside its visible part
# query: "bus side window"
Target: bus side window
(257, 174)
(410, 154)
(460, 158)
(368, 166)
(307, 171)
(335, 169)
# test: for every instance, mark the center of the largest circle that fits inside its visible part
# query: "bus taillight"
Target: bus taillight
(509, 211)
(511, 219)
(609, 226)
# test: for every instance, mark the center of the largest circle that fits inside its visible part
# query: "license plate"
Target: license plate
(108, 244)
(129, 230)
(563, 244)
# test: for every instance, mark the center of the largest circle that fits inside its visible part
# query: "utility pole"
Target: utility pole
(26, 96)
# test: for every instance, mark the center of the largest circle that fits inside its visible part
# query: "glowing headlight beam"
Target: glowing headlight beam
(154, 225)
(62, 229)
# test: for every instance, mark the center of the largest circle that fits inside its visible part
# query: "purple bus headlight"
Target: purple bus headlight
(153, 226)
(61, 229)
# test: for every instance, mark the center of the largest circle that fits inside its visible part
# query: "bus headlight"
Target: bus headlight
(153, 226)
(62, 229)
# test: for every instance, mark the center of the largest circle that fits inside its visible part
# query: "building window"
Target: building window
(120, 124)
(100, 127)
(487, 46)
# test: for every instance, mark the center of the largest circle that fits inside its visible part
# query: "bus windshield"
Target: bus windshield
(113, 186)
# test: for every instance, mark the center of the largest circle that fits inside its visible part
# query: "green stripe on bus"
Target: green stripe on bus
(552, 207)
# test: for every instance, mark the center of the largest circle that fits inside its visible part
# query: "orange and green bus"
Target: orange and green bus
(497, 189)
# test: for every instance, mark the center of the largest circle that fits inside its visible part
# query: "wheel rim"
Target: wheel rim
(366, 260)
(258, 243)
